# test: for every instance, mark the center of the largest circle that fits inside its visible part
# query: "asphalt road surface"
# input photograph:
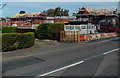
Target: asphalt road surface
(106, 65)
(94, 58)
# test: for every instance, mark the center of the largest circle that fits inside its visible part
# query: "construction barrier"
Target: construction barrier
(106, 35)
(87, 37)
(74, 36)
(93, 36)
(114, 34)
(102, 35)
(82, 38)
(109, 34)
(98, 36)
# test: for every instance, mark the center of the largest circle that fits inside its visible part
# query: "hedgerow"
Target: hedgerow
(13, 41)
(49, 30)
(9, 29)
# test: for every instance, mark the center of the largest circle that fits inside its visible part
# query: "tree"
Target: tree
(49, 12)
(22, 12)
(56, 12)
(65, 13)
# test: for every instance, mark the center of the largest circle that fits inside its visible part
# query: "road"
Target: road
(93, 58)
(97, 66)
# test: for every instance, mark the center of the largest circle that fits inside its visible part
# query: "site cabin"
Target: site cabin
(83, 28)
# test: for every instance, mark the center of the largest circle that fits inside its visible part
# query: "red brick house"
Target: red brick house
(28, 21)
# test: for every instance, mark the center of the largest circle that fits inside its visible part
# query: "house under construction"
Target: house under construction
(29, 21)
(98, 17)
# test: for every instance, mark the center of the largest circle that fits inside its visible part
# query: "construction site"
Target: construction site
(93, 21)
(98, 17)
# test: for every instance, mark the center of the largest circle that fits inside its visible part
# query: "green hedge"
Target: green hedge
(49, 30)
(41, 31)
(13, 41)
(9, 29)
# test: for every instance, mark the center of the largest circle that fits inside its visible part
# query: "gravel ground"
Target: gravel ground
(45, 43)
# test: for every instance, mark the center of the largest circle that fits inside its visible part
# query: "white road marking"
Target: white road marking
(60, 69)
(45, 74)
(111, 51)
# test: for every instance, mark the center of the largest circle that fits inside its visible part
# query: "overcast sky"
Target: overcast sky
(60, 0)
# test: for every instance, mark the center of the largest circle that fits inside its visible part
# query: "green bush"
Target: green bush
(13, 41)
(49, 30)
(41, 31)
(9, 29)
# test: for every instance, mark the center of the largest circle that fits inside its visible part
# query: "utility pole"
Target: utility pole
(2, 5)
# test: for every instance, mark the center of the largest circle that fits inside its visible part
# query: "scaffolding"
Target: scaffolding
(104, 11)
(97, 12)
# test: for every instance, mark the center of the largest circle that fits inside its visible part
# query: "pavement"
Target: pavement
(36, 62)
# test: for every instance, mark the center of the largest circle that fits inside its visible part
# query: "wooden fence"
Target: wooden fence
(70, 36)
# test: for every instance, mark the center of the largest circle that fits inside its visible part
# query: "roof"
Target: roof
(18, 15)
(35, 13)
(100, 11)
(27, 15)
(88, 9)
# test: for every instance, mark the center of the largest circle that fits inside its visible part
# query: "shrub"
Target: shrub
(54, 30)
(49, 30)
(13, 41)
(26, 40)
(42, 31)
(9, 29)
